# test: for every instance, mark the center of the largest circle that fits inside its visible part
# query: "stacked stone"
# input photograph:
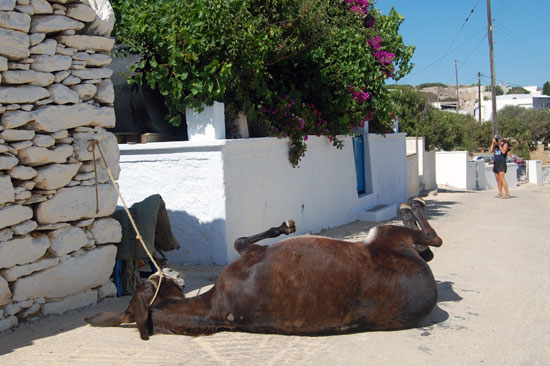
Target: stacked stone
(56, 239)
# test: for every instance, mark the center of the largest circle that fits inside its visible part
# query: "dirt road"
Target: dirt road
(493, 274)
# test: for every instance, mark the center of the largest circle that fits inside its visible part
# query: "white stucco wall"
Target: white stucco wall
(263, 189)
(511, 176)
(451, 168)
(220, 190)
(189, 177)
(428, 176)
(534, 172)
(413, 178)
(426, 166)
(386, 156)
(471, 175)
(481, 176)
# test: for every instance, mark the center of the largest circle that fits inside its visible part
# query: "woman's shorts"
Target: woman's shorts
(499, 166)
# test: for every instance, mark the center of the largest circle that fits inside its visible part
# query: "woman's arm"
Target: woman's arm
(504, 147)
(493, 144)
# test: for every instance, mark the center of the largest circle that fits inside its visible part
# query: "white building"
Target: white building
(518, 100)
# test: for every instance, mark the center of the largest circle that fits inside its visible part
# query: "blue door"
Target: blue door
(359, 155)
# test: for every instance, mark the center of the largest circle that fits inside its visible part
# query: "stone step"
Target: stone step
(378, 213)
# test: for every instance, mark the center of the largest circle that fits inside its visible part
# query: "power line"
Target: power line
(473, 51)
(453, 41)
(533, 15)
(444, 56)
(503, 81)
(524, 57)
(521, 43)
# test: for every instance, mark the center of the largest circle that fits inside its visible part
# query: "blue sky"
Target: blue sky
(441, 34)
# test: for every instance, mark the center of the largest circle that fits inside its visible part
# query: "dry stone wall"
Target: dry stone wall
(57, 247)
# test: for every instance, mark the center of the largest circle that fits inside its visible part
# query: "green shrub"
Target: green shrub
(331, 58)
(524, 128)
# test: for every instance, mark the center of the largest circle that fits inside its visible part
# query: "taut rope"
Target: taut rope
(91, 147)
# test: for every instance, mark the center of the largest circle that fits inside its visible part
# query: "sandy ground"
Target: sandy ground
(494, 294)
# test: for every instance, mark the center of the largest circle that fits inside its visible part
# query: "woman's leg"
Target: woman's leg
(499, 183)
(503, 182)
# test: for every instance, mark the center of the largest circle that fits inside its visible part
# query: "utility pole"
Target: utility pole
(457, 98)
(492, 58)
(479, 95)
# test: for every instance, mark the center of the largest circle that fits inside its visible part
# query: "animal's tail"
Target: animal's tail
(108, 319)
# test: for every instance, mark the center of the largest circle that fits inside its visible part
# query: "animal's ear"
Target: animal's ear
(106, 319)
(139, 306)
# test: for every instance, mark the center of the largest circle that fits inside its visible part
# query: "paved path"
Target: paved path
(494, 305)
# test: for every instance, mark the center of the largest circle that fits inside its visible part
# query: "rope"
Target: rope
(95, 174)
(91, 147)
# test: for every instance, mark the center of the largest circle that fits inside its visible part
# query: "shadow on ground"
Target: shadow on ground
(47, 326)
(445, 293)
(438, 208)
(28, 332)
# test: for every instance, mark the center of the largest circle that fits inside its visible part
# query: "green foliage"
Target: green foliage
(546, 88)
(442, 130)
(399, 86)
(258, 55)
(518, 90)
(524, 128)
(498, 89)
(431, 85)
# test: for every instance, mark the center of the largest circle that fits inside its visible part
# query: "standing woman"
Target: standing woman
(500, 149)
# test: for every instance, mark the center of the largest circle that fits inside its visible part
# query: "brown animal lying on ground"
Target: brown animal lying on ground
(304, 285)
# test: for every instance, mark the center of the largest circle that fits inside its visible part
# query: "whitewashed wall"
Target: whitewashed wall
(451, 168)
(426, 166)
(189, 177)
(511, 176)
(534, 172)
(387, 157)
(455, 170)
(263, 189)
(413, 178)
(427, 177)
(220, 190)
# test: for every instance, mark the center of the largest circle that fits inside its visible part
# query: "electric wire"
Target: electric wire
(453, 41)
(477, 33)
(519, 43)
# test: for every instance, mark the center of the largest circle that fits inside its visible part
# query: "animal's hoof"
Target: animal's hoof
(432, 238)
(405, 207)
(418, 202)
(289, 227)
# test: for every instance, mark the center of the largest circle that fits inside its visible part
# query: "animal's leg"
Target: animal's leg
(408, 219)
(287, 227)
(430, 235)
(192, 316)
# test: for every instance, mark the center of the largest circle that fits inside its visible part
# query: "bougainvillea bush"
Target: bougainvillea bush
(296, 68)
